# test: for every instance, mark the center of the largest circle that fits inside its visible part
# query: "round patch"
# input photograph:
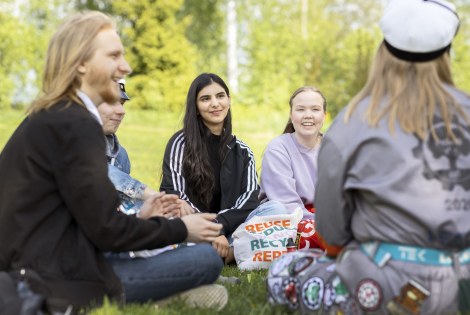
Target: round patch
(312, 293)
(300, 265)
(369, 295)
(281, 264)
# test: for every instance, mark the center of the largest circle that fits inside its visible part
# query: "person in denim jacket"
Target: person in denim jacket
(132, 192)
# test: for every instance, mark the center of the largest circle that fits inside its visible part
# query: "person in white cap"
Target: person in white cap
(394, 171)
(393, 183)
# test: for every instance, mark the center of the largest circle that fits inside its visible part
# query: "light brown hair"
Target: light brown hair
(414, 93)
(71, 46)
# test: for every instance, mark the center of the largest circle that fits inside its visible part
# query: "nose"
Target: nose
(120, 109)
(124, 66)
(214, 102)
(308, 114)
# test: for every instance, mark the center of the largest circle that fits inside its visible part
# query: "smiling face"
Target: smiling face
(112, 116)
(213, 104)
(100, 74)
(307, 116)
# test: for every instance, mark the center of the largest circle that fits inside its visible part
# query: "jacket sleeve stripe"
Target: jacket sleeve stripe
(176, 166)
(252, 180)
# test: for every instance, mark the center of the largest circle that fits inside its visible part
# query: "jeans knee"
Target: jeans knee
(210, 262)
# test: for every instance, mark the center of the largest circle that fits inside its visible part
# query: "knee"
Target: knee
(210, 261)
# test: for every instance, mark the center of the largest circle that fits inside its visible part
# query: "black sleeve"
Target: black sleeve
(173, 181)
(82, 178)
(247, 200)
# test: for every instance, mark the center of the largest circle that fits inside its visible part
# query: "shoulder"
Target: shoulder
(241, 146)
(122, 152)
(67, 117)
(460, 96)
(280, 142)
(177, 137)
(175, 144)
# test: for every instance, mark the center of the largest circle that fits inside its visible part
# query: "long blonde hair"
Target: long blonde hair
(414, 93)
(71, 46)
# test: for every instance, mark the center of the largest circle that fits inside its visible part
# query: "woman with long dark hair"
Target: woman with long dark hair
(207, 166)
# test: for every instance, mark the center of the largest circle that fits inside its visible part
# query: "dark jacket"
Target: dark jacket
(238, 181)
(58, 207)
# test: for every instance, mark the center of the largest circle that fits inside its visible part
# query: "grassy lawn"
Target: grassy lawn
(247, 297)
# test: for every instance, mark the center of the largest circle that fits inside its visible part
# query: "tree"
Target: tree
(162, 58)
(206, 31)
(289, 44)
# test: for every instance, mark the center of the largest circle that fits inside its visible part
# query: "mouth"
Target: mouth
(216, 112)
(308, 124)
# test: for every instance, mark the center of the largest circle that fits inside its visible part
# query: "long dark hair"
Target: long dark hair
(196, 166)
(290, 126)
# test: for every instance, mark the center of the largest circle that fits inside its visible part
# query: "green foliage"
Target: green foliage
(206, 19)
(161, 56)
(282, 45)
(289, 46)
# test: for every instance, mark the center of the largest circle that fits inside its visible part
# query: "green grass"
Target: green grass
(248, 297)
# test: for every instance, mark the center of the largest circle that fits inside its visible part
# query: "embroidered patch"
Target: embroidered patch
(329, 296)
(369, 295)
(276, 295)
(300, 265)
(281, 264)
(341, 292)
(312, 293)
(291, 290)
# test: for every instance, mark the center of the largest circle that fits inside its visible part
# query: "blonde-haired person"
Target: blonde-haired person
(393, 184)
(57, 204)
(289, 165)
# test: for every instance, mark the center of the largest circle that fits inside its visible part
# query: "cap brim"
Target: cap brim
(124, 96)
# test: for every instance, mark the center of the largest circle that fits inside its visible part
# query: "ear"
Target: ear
(81, 69)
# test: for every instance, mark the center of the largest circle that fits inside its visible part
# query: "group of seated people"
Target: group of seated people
(213, 171)
(387, 185)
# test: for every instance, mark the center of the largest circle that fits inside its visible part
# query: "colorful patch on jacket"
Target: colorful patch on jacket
(312, 293)
(369, 295)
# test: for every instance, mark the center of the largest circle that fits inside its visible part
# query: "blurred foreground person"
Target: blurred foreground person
(57, 204)
(393, 178)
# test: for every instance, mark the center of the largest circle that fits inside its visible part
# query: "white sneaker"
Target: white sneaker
(207, 296)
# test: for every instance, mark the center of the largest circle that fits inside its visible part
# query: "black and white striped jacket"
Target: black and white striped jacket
(238, 181)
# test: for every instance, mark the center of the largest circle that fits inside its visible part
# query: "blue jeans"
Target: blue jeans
(174, 271)
(270, 207)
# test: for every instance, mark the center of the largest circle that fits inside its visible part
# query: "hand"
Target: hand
(185, 208)
(201, 228)
(160, 204)
(221, 245)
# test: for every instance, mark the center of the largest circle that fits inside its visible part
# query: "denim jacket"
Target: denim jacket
(129, 189)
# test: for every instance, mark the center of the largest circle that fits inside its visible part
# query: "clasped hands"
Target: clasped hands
(201, 227)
